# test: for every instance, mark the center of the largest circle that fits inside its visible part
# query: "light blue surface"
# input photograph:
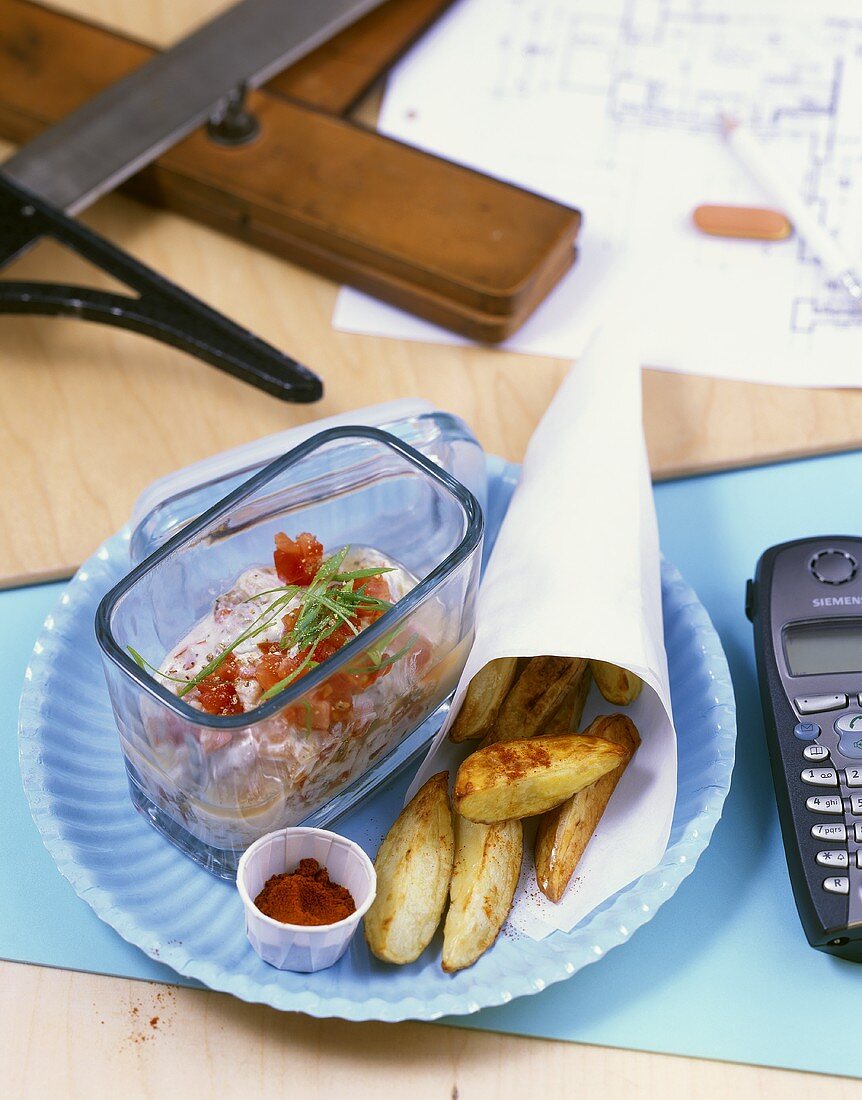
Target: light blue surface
(41, 919)
(721, 972)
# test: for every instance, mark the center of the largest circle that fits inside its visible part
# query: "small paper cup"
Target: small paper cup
(298, 946)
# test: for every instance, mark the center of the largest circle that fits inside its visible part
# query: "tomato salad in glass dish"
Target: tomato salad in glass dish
(262, 636)
(273, 627)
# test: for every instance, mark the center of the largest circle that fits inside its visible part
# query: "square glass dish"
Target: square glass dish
(317, 740)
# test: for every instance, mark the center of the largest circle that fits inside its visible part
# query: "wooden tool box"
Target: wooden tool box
(451, 245)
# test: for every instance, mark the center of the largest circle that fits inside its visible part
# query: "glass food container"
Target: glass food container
(215, 783)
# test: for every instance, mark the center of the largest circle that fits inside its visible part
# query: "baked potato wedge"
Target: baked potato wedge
(483, 700)
(414, 866)
(567, 717)
(485, 874)
(515, 779)
(617, 685)
(564, 833)
(535, 696)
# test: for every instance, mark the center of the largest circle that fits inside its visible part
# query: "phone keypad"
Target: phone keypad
(834, 769)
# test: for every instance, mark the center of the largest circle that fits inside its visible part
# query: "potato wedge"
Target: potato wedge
(617, 685)
(536, 695)
(521, 778)
(565, 832)
(414, 866)
(567, 717)
(483, 700)
(485, 874)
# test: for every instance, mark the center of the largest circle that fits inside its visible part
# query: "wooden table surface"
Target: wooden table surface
(88, 417)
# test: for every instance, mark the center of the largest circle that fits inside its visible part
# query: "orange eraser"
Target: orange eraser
(753, 223)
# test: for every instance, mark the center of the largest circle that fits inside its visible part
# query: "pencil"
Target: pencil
(832, 258)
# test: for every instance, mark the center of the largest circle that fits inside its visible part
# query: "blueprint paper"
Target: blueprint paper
(585, 485)
(613, 106)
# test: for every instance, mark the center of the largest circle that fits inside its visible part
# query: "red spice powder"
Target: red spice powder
(305, 897)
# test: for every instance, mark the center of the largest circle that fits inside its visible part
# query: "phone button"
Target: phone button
(830, 832)
(825, 804)
(836, 885)
(820, 777)
(833, 859)
(856, 804)
(850, 746)
(853, 777)
(816, 752)
(806, 731)
(849, 723)
(813, 704)
(849, 729)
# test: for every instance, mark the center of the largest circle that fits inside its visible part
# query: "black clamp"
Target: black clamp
(161, 309)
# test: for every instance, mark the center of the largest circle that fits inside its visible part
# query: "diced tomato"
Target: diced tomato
(311, 714)
(297, 561)
(226, 673)
(219, 697)
(338, 691)
(266, 669)
(364, 675)
(274, 666)
(320, 716)
(422, 654)
(217, 692)
(376, 588)
(338, 638)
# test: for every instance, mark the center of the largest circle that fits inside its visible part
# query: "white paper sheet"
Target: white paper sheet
(612, 106)
(575, 572)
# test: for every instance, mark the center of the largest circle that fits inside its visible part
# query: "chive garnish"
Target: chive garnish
(326, 604)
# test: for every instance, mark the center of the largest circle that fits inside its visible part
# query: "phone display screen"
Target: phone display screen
(816, 649)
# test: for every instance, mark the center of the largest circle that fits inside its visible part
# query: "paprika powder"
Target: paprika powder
(305, 896)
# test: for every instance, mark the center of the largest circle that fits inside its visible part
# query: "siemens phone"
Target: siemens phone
(806, 606)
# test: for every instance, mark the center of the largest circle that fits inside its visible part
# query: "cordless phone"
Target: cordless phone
(806, 606)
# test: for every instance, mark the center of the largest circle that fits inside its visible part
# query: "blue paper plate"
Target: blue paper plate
(178, 914)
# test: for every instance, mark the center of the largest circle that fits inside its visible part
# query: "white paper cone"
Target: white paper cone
(576, 572)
